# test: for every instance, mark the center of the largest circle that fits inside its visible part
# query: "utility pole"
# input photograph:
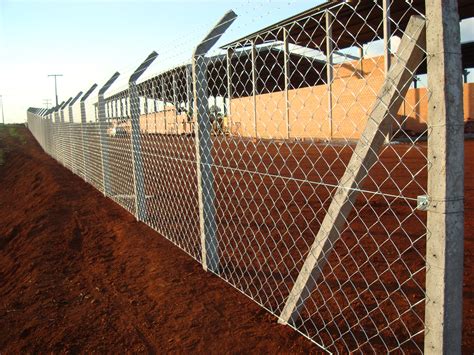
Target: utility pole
(55, 86)
(47, 102)
(1, 102)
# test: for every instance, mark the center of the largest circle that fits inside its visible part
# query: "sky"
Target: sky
(88, 40)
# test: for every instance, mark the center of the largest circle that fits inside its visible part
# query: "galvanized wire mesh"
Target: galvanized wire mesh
(241, 153)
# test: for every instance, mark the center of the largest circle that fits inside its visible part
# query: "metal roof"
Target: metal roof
(355, 22)
(270, 77)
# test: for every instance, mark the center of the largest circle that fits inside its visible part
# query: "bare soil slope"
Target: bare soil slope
(78, 273)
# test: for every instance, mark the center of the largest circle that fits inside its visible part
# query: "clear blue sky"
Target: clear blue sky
(88, 40)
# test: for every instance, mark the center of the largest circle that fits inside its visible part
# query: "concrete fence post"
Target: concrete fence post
(104, 146)
(205, 177)
(56, 113)
(445, 224)
(55, 132)
(85, 146)
(71, 104)
(63, 106)
(135, 139)
(64, 136)
(72, 138)
(49, 128)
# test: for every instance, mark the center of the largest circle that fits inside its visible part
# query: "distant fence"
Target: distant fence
(293, 165)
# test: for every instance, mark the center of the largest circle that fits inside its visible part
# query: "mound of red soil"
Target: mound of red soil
(78, 273)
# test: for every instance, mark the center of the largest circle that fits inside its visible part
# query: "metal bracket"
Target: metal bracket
(422, 202)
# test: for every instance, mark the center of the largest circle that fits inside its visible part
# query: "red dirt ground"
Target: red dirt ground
(78, 273)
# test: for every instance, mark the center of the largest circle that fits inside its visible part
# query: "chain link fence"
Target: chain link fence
(293, 163)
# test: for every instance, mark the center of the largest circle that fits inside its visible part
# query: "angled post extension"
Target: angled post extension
(205, 177)
(71, 118)
(137, 163)
(104, 147)
(365, 155)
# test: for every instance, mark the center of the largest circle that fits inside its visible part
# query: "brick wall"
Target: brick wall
(414, 110)
(354, 91)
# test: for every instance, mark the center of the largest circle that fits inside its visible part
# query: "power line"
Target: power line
(47, 102)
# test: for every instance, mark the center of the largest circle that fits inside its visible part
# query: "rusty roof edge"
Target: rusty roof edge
(312, 11)
(466, 10)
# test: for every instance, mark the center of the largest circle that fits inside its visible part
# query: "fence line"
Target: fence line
(299, 165)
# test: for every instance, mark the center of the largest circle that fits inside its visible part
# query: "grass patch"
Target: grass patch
(7, 132)
(13, 132)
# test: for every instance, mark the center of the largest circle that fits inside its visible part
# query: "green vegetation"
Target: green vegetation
(13, 132)
(9, 131)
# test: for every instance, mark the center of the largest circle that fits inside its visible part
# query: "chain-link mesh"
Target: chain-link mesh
(240, 157)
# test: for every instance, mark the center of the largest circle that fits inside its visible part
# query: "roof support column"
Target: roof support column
(189, 97)
(286, 70)
(227, 106)
(155, 106)
(329, 69)
(386, 50)
(361, 56)
(175, 103)
(254, 87)
(189, 89)
(386, 35)
(163, 97)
